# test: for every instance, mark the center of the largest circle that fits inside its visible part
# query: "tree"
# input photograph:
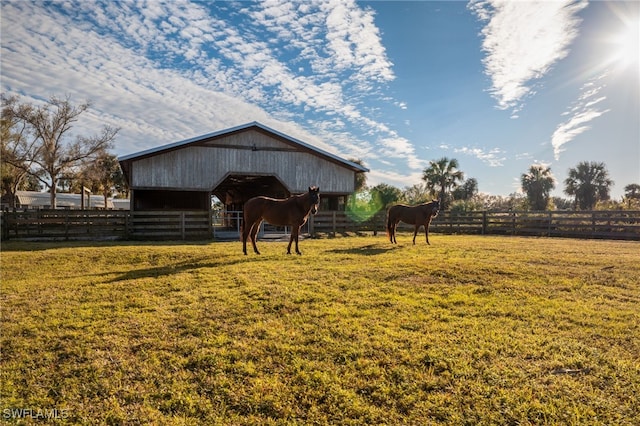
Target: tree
(537, 184)
(467, 190)
(11, 140)
(102, 176)
(589, 183)
(416, 194)
(561, 203)
(45, 151)
(386, 194)
(442, 176)
(632, 191)
(361, 178)
(632, 194)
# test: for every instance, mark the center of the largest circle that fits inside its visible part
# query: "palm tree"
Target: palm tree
(361, 178)
(467, 190)
(589, 183)
(632, 193)
(537, 184)
(441, 176)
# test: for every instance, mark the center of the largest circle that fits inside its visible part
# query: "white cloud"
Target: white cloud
(354, 40)
(393, 177)
(151, 105)
(165, 71)
(523, 156)
(493, 157)
(581, 113)
(399, 147)
(522, 41)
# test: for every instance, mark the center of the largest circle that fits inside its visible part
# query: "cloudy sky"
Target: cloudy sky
(498, 85)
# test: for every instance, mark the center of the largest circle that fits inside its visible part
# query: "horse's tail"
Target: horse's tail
(389, 224)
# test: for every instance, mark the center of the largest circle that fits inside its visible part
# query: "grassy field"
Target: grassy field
(470, 330)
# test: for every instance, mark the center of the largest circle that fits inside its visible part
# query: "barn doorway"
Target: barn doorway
(233, 192)
(235, 189)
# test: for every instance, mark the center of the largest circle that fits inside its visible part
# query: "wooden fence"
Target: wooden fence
(188, 225)
(106, 224)
(609, 224)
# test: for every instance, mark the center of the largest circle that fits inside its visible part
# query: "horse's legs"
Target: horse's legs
(254, 234)
(295, 232)
(391, 230)
(394, 229)
(297, 237)
(290, 241)
(246, 229)
(426, 232)
(415, 232)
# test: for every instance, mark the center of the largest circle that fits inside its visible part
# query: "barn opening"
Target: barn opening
(236, 189)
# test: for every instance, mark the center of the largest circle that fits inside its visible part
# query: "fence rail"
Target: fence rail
(187, 225)
(106, 224)
(609, 224)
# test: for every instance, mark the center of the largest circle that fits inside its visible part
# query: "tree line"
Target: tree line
(588, 185)
(37, 152)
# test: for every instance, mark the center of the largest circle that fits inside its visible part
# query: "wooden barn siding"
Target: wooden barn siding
(202, 168)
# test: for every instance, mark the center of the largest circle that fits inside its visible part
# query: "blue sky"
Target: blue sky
(498, 85)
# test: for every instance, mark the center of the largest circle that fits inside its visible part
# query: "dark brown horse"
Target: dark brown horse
(292, 211)
(413, 215)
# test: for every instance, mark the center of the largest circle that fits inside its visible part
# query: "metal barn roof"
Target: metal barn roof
(175, 145)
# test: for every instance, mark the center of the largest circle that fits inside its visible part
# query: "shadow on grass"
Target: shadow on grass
(176, 268)
(369, 250)
(40, 245)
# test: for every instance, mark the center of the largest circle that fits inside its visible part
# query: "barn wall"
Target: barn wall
(202, 168)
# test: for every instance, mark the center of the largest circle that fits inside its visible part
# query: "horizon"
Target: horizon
(396, 84)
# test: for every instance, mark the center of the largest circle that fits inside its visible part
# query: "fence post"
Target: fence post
(4, 225)
(66, 225)
(182, 225)
(484, 222)
(310, 224)
(334, 223)
(210, 224)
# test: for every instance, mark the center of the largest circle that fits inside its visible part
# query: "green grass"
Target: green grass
(470, 330)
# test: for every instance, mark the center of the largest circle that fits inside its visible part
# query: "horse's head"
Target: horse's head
(314, 198)
(435, 208)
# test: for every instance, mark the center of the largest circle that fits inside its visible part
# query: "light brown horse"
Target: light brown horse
(292, 211)
(413, 215)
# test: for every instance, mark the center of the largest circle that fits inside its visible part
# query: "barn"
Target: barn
(234, 165)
